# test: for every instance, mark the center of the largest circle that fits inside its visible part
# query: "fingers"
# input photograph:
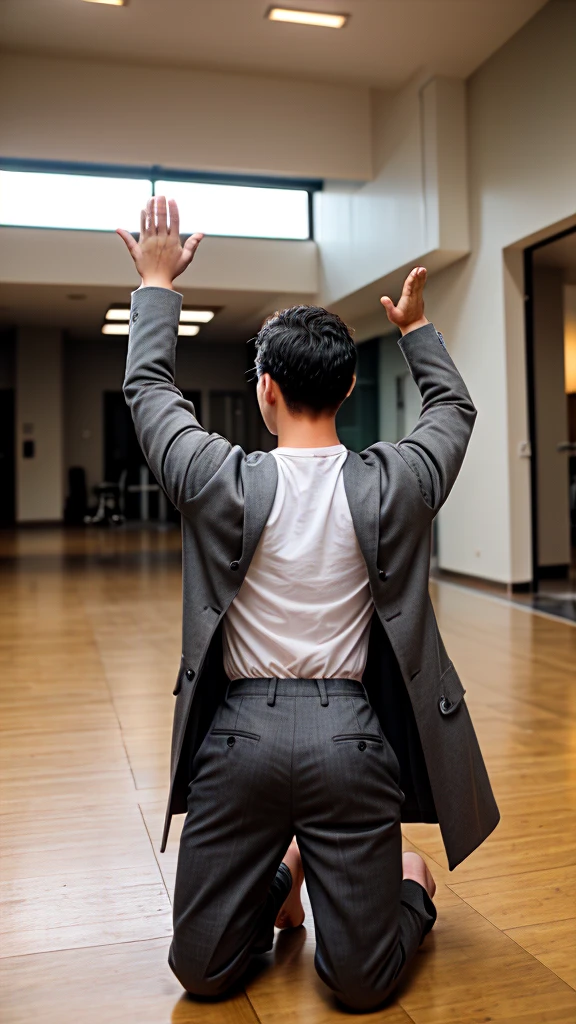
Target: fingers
(131, 244)
(192, 243)
(416, 280)
(189, 250)
(161, 215)
(142, 224)
(388, 306)
(174, 228)
(150, 218)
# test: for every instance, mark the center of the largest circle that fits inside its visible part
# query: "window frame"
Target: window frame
(156, 172)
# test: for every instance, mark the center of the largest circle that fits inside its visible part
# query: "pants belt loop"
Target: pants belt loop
(272, 692)
(323, 695)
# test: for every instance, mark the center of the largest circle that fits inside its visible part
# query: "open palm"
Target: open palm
(159, 255)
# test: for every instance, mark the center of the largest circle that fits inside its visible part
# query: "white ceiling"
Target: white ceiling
(384, 43)
(240, 313)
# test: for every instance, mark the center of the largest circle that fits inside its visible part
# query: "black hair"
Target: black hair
(311, 356)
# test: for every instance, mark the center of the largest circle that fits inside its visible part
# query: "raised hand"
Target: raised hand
(158, 255)
(409, 313)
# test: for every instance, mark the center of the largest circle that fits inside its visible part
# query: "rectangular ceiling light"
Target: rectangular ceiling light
(115, 328)
(307, 17)
(124, 328)
(118, 314)
(196, 316)
(111, 3)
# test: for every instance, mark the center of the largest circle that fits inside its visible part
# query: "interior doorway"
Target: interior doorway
(550, 280)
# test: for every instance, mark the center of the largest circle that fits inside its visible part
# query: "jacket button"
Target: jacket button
(383, 575)
(231, 741)
(362, 745)
(234, 565)
(190, 673)
(135, 317)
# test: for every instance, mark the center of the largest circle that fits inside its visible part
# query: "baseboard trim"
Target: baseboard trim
(33, 524)
(554, 572)
(481, 582)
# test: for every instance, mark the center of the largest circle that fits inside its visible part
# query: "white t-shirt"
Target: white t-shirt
(304, 608)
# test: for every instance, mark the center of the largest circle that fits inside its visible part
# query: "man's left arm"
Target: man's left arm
(434, 450)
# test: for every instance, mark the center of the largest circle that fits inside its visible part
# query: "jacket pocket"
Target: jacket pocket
(450, 691)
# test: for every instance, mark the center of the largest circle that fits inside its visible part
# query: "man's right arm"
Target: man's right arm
(181, 454)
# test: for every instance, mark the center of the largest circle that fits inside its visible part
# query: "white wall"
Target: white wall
(416, 204)
(34, 256)
(39, 480)
(522, 159)
(82, 110)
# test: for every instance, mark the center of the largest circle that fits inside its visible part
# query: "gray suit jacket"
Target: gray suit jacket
(394, 492)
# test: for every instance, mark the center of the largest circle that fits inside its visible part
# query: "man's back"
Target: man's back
(304, 608)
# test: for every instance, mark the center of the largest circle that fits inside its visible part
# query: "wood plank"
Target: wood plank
(470, 971)
(98, 907)
(553, 943)
(129, 983)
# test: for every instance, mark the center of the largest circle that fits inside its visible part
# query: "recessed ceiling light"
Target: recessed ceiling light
(198, 316)
(111, 3)
(188, 329)
(118, 314)
(115, 328)
(307, 17)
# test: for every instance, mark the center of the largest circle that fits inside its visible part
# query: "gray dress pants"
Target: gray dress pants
(302, 757)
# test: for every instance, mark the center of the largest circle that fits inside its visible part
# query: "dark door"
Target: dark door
(551, 454)
(228, 416)
(7, 466)
(357, 419)
(122, 451)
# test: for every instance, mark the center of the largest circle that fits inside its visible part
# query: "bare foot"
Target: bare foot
(291, 913)
(413, 866)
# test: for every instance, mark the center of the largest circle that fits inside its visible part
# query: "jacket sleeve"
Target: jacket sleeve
(435, 448)
(181, 454)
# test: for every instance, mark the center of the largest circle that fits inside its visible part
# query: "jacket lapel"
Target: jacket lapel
(260, 479)
(363, 494)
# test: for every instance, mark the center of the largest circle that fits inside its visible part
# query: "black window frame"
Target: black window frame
(156, 172)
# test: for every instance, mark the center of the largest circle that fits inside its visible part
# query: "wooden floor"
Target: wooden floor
(89, 649)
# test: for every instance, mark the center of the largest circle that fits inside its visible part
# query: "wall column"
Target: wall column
(39, 433)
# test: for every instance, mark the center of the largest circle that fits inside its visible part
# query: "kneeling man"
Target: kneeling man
(315, 698)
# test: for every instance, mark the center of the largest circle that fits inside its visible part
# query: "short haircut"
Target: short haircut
(311, 356)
